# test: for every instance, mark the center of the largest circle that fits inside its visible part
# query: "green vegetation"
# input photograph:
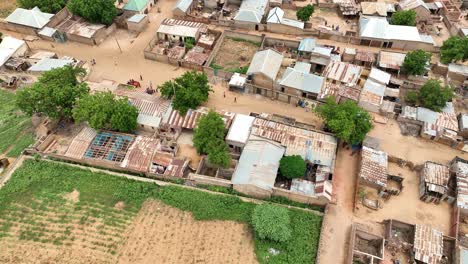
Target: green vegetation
(14, 126)
(208, 138)
(271, 222)
(41, 186)
(347, 121)
(431, 95)
(189, 43)
(47, 6)
(292, 166)
(258, 44)
(416, 62)
(103, 111)
(54, 94)
(404, 18)
(216, 66)
(454, 49)
(304, 13)
(97, 11)
(187, 91)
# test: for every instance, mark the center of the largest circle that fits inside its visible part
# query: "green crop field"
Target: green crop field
(15, 127)
(37, 206)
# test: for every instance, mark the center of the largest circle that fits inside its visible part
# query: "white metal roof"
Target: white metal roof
(47, 64)
(31, 18)
(275, 15)
(379, 28)
(306, 82)
(178, 30)
(47, 31)
(412, 4)
(137, 18)
(458, 68)
(379, 76)
(8, 47)
(251, 11)
(148, 120)
(240, 128)
(267, 62)
(307, 44)
(183, 5)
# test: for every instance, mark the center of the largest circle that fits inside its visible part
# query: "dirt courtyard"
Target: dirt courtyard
(235, 53)
(157, 232)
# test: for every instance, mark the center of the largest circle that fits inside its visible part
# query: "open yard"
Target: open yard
(235, 54)
(6, 7)
(54, 213)
(15, 128)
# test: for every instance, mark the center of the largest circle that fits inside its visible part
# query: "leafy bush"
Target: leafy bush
(433, 96)
(416, 62)
(95, 11)
(412, 97)
(271, 222)
(47, 6)
(305, 12)
(454, 49)
(292, 166)
(189, 43)
(404, 18)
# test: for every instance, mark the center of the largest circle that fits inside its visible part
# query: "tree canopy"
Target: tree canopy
(404, 18)
(103, 110)
(415, 62)
(191, 89)
(54, 94)
(271, 222)
(454, 49)
(95, 11)
(47, 6)
(305, 12)
(431, 95)
(292, 166)
(348, 121)
(208, 139)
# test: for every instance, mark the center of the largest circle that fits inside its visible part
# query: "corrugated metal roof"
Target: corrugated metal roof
(307, 44)
(258, 164)
(302, 66)
(80, 143)
(47, 31)
(461, 169)
(8, 47)
(293, 23)
(447, 119)
(148, 120)
(85, 29)
(374, 8)
(464, 121)
(180, 27)
(330, 89)
(267, 62)
(306, 82)
(458, 68)
(189, 121)
(275, 15)
(391, 60)
(437, 174)
(303, 187)
(366, 56)
(412, 4)
(197, 56)
(158, 107)
(374, 166)
(251, 11)
(428, 244)
(48, 64)
(183, 5)
(379, 76)
(344, 72)
(136, 5)
(379, 28)
(240, 128)
(32, 18)
(139, 154)
(374, 87)
(318, 148)
(137, 18)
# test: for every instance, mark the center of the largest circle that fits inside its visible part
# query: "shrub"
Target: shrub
(292, 166)
(271, 222)
(454, 49)
(305, 13)
(415, 62)
(404, 18)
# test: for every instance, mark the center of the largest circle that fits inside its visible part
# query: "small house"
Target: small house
(457, 73)
(28, 21)
(179, 30)
(345, 73)
(138, 6)
(277, 23)
(434, 180)
(373, 170)
(391, 61)
(264, 67)
(374, 8)
(48, 64)
(182, 8)
(298, 81)
(423, 14)
(372, 95)
(250, 14)
(137, 23)
(12, 47)
(239, 132)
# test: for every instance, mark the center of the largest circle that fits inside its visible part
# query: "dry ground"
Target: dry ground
(234, 54)
(6, 6)
(157, 233)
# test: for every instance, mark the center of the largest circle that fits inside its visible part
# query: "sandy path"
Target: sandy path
(163, 234)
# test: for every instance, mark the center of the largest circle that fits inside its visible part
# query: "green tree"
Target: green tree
(404, 18)
(47, 6)
(415, 62)
(271, 222)
(412, 97)
(54, 94)
(95, 11)
(433, 96)
(191, 89)
(103, 111)
(305, 12)
(208, 138)
(454, 49)
(348, 121)
(292, 166)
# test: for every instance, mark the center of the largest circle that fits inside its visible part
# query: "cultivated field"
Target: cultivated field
(235, 55)
(55, 213)
(15, 128)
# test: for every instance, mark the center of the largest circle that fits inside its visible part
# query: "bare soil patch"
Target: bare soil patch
(235, 54)
(6, 7)
(73, 197)
(169, 235)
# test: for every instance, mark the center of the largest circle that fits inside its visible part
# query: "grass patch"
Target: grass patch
(216, 66)
(47, 182)
(13, 125)
(258, 44)
(241, 70)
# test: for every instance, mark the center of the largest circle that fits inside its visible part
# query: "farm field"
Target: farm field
(15, 128)
(238, 61)
(56, 213)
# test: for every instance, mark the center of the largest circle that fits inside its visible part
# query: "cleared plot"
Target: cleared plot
(6, 7)
(235, 54)
(57, 213)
